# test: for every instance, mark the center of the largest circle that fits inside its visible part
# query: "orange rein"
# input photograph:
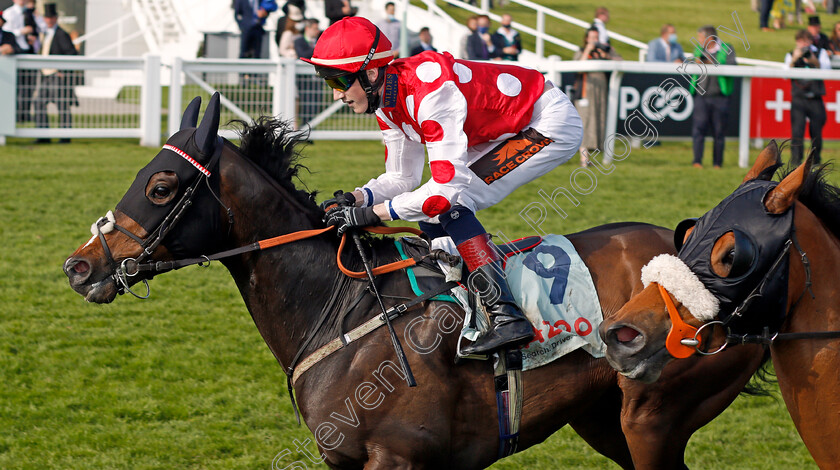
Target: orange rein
(385, 268)
(679, 329)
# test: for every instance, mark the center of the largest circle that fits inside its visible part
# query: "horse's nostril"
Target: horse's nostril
(626, 334)
(81, 267)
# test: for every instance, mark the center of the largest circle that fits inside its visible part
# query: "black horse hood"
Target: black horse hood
(192, 154)
(760, 237)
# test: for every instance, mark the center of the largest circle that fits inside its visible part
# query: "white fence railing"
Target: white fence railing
(281, 87)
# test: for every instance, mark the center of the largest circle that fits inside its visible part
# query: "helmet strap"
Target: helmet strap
(372, 89)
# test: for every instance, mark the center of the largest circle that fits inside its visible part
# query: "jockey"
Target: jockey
(488, 129)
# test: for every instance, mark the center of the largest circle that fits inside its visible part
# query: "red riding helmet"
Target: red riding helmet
(351, 45)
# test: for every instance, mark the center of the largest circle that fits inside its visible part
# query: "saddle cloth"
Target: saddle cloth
(549, 281)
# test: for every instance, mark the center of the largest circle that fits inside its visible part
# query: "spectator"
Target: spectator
(711, 96)
(390, 27)
(305, 44)
(15, 23)
(335, 10)
(472, 25)
(602, 17)
(292, 31)
(819, 39)
(480, 43)
(56, 85)
(665, 48)
(8, 43)
(508, 39)
(281, 22)
(590, 96)
(807, 96)
(310, 87)
(425, 42)
(764, 15)
(834, 41)
(250, 16)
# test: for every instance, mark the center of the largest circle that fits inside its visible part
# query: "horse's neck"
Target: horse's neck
(286, 287)
(822, 249)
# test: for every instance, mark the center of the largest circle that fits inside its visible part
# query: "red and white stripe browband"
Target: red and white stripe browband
(188, 158)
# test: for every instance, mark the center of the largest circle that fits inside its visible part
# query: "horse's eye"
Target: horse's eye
(160, 192)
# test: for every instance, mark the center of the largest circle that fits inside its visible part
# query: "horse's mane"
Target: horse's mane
(274, 146)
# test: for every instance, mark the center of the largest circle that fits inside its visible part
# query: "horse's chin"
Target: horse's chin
(101, 292)
(646, 370)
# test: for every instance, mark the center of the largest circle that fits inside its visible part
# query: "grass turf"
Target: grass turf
(183, 380)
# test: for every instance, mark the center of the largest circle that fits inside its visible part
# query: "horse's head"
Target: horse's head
(168, 211)
(732, 270)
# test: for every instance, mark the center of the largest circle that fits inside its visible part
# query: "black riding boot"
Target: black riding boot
(509, 327)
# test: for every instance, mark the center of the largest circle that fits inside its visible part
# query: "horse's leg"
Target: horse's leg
(600, 427)
(659, 419)
(809, 381)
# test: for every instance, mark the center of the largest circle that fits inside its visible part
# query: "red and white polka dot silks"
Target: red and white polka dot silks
(445, 105)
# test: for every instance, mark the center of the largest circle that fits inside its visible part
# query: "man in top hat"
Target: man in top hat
(56, 85)
(820, 40)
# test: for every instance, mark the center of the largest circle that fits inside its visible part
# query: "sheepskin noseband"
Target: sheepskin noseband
(672, 274)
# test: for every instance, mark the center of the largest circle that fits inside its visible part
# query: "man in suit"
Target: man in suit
(425, 42)
(56, 85)
(250, 16)
(507, 39)
(665, 48)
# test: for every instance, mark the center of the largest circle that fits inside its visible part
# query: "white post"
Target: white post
(540, 47)
(288, 90)
(119, 38)
(150, 97)
(612, 112)
(485, 5)
(277, 90)
(744, 125)
(176, 95)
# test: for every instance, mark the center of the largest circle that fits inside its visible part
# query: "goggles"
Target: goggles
(342, 82)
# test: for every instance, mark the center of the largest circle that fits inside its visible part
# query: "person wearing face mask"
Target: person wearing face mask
(390, 27)
(292, 31)
(665, 48)
(480, 44)
(508, 39)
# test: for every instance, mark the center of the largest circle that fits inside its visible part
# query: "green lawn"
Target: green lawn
(183, 380)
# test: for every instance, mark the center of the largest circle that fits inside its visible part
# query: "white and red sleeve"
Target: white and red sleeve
(441, 115)
(403, 166)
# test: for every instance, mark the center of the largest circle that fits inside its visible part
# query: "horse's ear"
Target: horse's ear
(780, 198)
(205, 135)
(190, 118)
(767, 158)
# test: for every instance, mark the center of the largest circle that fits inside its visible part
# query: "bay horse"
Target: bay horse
(360, 413)
(793, 306)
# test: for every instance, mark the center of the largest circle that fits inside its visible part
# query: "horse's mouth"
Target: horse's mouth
(646, 370)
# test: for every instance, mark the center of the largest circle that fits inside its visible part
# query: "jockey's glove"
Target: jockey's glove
(341, 199)
(351, 217)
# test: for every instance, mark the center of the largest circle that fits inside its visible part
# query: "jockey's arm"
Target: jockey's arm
(441, 115)
(403, 171)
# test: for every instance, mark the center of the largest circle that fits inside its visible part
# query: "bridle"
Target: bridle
(131, 267)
